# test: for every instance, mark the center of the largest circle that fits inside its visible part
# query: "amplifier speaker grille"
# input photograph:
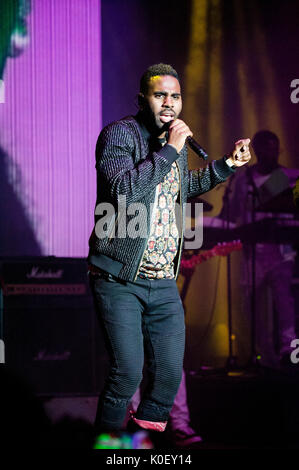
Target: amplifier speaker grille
(51, 334)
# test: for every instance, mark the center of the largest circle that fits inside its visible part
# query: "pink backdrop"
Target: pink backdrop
(50, 122)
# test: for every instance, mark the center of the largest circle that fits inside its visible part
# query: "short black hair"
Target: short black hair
(153, 71)
(261, 136)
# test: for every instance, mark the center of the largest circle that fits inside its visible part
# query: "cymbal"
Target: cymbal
(195, 200)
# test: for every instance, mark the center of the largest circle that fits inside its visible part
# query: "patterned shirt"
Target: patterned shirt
(162, 245)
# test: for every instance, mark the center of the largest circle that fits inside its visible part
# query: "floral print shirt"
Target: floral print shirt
(162, 245)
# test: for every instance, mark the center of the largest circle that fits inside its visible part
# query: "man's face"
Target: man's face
(163, 100)
(267, 154)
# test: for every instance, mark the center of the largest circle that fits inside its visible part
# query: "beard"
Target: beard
(153, 122)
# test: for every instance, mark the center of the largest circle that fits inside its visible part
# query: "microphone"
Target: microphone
(192, 144)
(197, 148)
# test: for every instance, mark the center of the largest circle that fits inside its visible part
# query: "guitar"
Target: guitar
(221, 249)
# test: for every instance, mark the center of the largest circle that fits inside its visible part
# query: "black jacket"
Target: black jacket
(128, 164)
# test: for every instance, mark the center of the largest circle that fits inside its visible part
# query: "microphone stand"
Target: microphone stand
(231, 362)
(254, 356)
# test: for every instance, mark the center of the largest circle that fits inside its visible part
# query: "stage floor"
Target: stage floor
(237, 410)
(240, 410)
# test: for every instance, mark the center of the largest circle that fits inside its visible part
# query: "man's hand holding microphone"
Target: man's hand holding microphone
(178, 133)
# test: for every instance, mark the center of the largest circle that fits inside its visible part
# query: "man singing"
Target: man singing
(141, 164)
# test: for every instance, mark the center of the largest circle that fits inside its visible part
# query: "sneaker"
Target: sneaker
(154, 437)
(185, 438)
(144, 424)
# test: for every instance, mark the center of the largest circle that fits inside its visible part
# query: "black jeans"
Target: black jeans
(139, 318)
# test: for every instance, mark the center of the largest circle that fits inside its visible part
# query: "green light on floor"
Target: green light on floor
(110, 441)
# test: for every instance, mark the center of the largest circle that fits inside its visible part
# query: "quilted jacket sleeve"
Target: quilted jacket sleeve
(118, 170)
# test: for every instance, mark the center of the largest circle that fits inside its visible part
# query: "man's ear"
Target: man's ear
(141, 100)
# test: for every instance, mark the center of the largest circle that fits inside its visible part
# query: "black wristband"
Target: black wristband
(228, 164)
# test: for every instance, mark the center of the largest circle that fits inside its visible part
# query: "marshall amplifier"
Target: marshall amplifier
(49, 327)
